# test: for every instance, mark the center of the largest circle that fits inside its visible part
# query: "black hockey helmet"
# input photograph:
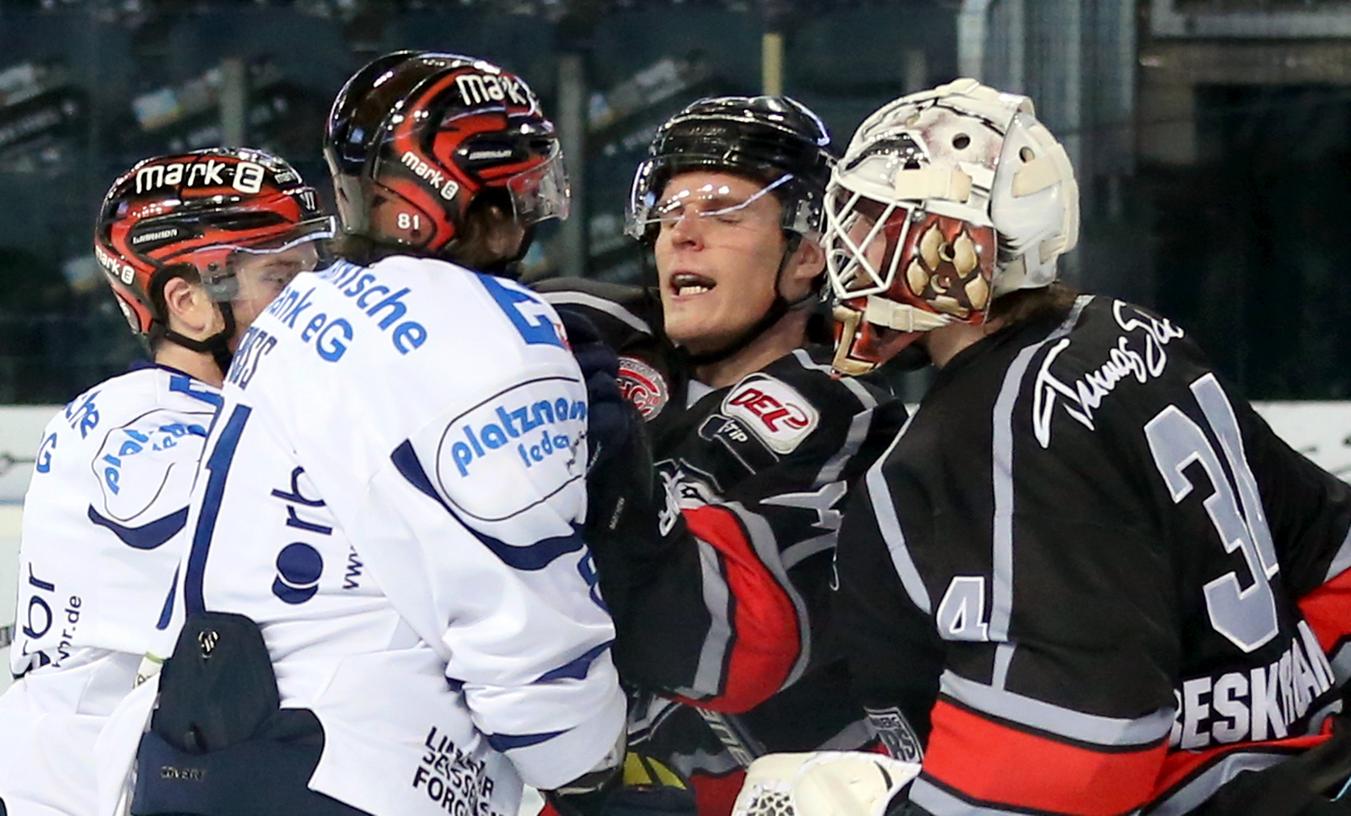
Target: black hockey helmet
(415, 137)
(774, 140)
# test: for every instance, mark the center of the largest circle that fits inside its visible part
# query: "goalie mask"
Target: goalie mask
(944, 200)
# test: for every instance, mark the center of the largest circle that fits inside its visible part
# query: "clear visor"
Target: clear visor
(714, 204)
(541, 192)
(228, 271)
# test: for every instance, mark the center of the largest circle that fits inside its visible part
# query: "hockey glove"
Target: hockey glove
(621, 523)
(609, 419)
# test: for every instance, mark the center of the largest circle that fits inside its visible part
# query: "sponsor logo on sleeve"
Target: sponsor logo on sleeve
(773, 410)
(533, 429)
(642, 385)
(136, 463)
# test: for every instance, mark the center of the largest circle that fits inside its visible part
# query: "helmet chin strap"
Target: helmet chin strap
(217, 345)
(777, 309)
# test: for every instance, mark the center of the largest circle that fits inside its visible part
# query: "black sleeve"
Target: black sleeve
(894, 654)
(736, 605)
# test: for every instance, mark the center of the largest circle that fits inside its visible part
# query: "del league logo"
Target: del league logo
(773, 410)
(642, 385)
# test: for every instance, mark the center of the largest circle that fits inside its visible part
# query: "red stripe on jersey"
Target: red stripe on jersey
(1328, 611)
(765, 638)
(1179, 766)
(996, 763)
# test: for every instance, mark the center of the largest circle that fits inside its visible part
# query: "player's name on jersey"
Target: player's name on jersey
(331, 335)
(1257, 704)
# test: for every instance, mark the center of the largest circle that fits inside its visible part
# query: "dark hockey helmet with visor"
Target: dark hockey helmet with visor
(773, 140)
(414, 138)
(201, 211)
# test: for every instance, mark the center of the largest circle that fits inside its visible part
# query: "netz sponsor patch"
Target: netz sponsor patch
(773, 410)
(532, 428)
(642, 385)
(892, 728)
(137, 460)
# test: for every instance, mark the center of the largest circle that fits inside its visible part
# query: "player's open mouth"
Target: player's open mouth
(688, 284)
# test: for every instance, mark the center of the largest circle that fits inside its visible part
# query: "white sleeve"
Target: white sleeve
(494, 497)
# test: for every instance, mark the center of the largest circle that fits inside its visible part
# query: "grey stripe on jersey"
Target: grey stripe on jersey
(713, 654)
(1065, 722)
(849, 738)
(600, 304)
(858, 426)
(939, 802)
(1001, 608)
(1341, 664)
(801, 551)
(889, 525)
(1341, 562)
(1204, 785)
(767, 550)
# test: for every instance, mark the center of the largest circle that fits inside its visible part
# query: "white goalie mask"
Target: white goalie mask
(944, 200)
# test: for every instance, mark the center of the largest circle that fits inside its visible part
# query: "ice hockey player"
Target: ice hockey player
(1087, 577)
(194, 246)
(720, 583)
(393, 493)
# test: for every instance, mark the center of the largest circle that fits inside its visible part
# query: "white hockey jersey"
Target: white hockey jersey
(394, 492)
(102, 535)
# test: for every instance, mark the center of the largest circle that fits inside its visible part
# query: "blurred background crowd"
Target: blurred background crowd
(1212, 138)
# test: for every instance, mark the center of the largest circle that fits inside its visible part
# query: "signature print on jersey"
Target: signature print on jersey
(1139, 354)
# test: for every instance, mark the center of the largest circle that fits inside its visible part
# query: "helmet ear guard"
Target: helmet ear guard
(944, 200)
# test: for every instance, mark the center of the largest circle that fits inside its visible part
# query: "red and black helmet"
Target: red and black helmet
(198, 210)
(415, 137)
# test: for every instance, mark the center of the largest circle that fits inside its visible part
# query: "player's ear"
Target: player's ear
(188, 308)
(807, 262)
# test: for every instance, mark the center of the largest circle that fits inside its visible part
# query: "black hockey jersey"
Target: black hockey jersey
(733, 620)
(1087, 578)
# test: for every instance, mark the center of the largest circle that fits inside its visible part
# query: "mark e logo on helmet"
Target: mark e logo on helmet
(245, 176)
(476, 89)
